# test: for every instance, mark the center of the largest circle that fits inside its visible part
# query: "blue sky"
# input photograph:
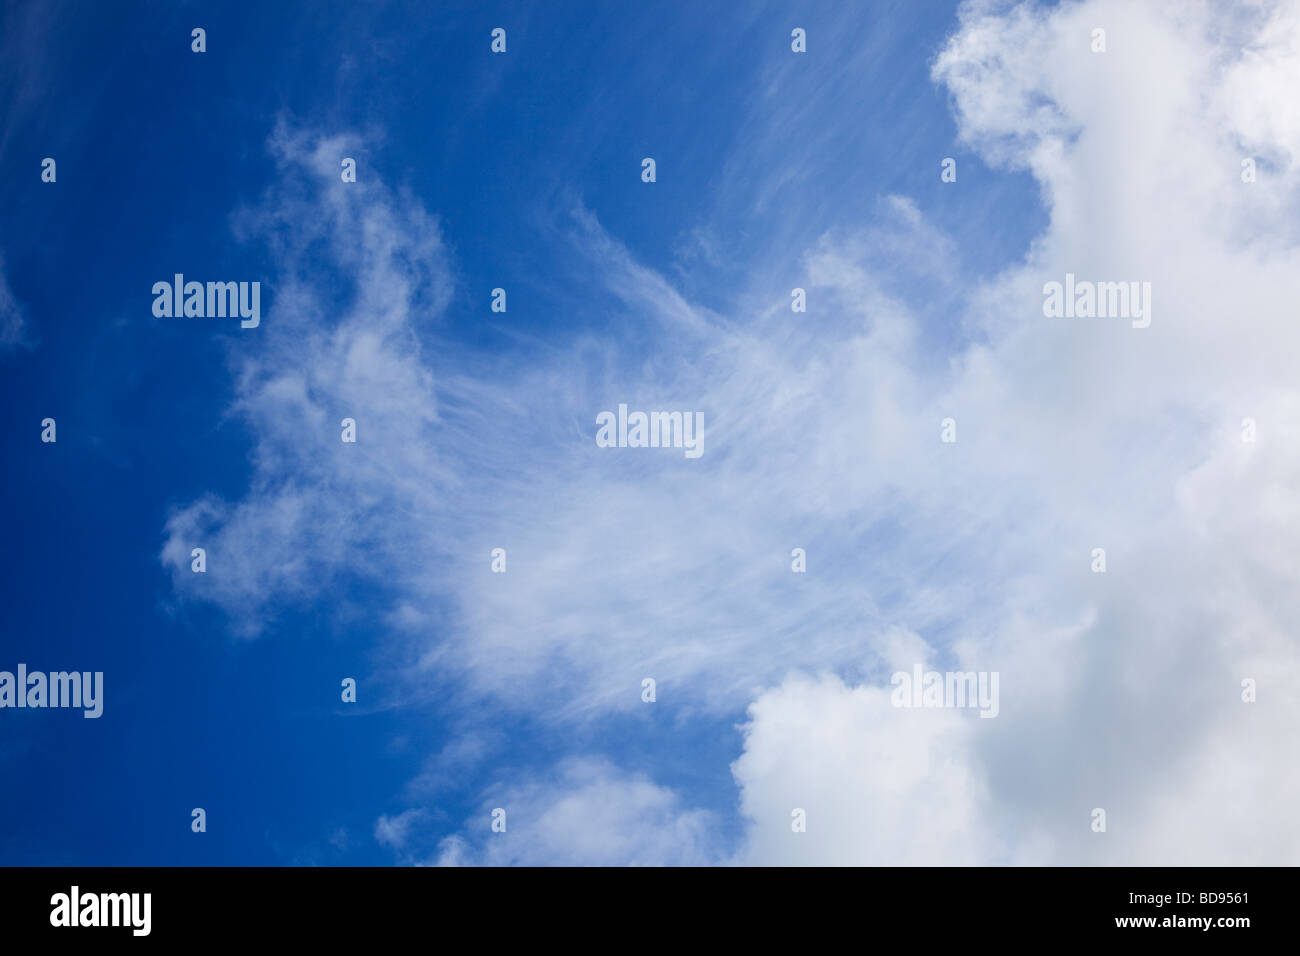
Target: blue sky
(775, 170)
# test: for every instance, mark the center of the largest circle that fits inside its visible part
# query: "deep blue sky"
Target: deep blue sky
(156, 148)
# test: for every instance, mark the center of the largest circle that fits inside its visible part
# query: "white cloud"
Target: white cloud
(395, 831)
(12, 321)
(1118, 690)
(591, 815)
(878, 784)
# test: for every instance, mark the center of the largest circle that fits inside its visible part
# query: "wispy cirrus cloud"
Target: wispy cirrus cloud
(13, 322)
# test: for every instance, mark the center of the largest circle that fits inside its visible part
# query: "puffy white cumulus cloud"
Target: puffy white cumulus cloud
(591, 814)
(1133, 438)
(878, 784)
